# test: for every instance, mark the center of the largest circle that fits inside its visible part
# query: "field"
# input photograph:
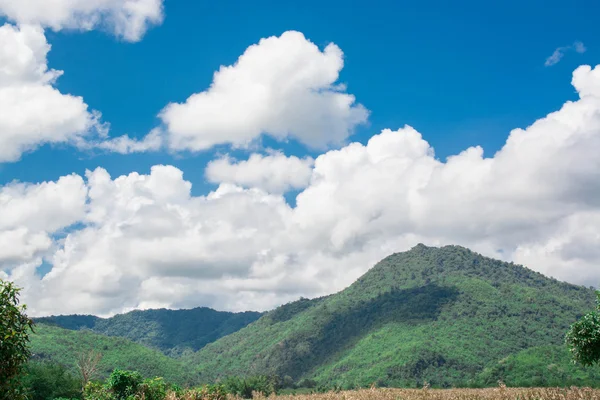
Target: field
(499, 393)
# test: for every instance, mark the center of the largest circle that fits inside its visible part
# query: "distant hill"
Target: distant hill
(51, 343)
(447, 316)
(171, 331)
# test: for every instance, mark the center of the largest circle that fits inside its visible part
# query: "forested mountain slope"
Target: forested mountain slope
(445, 315)
(63, 346)
(171, 331)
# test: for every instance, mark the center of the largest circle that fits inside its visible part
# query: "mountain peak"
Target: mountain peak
(423, 264)
(419, 247)
(435, 314)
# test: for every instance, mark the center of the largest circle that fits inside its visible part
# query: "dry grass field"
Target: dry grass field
(499, 393)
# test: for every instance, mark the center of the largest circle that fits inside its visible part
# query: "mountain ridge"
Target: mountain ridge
(447, 315)
(441, 314)
(173, 332)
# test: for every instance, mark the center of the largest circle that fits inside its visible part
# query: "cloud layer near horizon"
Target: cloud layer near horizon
(139, 241)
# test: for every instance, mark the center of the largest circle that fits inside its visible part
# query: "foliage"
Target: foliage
(97, 391)
(124, 383)
(153, 389)
(583, 338)
(129, 385)
(62, 346)
(15, 327)
(47, 380)
(543, 366)
(440, 315)
(171, 331)
(245, 387)
(206, 392)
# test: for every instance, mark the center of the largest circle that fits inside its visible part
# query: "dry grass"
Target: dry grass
(500, 393)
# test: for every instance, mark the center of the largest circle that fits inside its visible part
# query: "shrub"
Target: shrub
(124, 384)
(97, 391)
(47, 380)
(206, 392)
(153, 389)
(244, 387)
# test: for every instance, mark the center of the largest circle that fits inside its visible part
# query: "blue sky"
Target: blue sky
(256, 169)
(462, 75)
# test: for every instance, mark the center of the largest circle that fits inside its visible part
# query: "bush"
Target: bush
(206, 392)
(97, 391)
(153, 389)
(244, 387)
(124, 384)
(45, 380)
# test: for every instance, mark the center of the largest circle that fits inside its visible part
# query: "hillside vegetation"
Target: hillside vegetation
(171, 331)
(447, 316)
(62, 346)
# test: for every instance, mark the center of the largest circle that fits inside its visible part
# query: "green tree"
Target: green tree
(15, 327)
(48, 380)
(583, 338)
(124, 383)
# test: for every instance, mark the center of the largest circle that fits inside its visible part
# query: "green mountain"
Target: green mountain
(447, 316)
(171, 331)
(63, 346)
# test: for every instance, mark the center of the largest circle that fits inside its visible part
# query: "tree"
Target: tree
(87, 364)
(124, 383)
(14, 340)
(49, 380)
(583, 338)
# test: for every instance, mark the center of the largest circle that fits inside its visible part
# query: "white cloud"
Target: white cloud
(283, 87)
(32, 111)
(127, 19)
(29, 213)
(46, 206)
(19, 245)
(126, 145)
(146, 241)
(559, 53)
(273, 173)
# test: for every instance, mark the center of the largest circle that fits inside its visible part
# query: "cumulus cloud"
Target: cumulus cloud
(126, 145)
(273, 173)
(283, 86)
(559, 53)
(146, 241)
(30, 213)
(127, 19)
(32, 111)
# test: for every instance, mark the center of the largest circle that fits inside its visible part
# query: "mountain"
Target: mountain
(51, 343)
(170, 331)
(446, 315)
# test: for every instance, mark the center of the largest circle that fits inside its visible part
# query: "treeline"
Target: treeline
(53, 381)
